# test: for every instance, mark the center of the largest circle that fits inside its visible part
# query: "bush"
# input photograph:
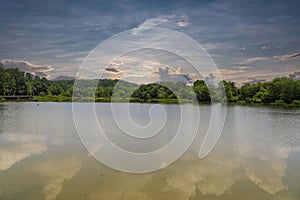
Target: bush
(63, 98)
(256, 100)
(278, 103)
(295, 103)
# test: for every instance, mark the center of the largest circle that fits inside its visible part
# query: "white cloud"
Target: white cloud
(265, 47)
(182, 24)
(171, 21)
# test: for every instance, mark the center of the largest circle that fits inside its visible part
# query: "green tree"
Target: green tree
(201, 90)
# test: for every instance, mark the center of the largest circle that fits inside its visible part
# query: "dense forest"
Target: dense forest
(278, 92)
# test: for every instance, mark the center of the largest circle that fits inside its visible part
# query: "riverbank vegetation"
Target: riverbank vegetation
(278, 92)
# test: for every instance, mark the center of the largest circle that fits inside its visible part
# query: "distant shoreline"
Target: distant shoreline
(17, 85)
(158, 101)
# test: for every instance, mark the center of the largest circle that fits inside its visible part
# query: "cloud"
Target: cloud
(171, 21)
(209, 80)
(219, 46)
(182, 24)
(206, 22)
(294, 55)
(55, 173)
(16, 147)
(142, 67)
(265, 47)
(167, 75)
(295, 76)
(28, 67)
(254, 81)
(64, 78)
(230, 74)
(257, 59)
(41, 74)
(240, 75)
(112, 70)
(243, 67)
(287, 57)
(178, 70)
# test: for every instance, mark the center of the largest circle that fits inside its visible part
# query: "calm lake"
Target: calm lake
(42, 157)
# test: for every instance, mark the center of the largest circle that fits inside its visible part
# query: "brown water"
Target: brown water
(41, 157)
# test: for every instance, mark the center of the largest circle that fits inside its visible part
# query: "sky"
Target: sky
(248, 40)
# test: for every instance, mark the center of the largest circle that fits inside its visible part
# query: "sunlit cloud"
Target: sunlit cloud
(28, 67)
(243, 67)
(255, 59)
(287, 57)
(148, 66)
(182, 24)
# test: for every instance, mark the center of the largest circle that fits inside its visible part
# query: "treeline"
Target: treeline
(280, 91)
(15, 82)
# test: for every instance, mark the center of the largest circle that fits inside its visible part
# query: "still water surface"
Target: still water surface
(41, 156)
